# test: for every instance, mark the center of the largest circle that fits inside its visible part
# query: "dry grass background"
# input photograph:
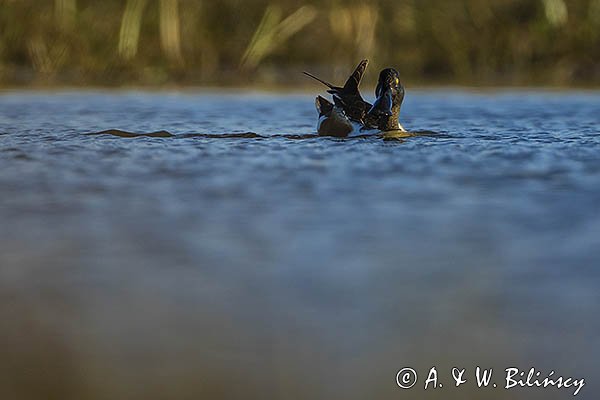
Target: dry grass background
(261, 42)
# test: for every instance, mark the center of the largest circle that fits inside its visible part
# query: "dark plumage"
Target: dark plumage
(348, 104)
(332, 120)
(385, 112)
(348, 97)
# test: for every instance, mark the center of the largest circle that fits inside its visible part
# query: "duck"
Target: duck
(350, 115)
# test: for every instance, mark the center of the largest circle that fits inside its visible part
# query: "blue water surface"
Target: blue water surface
(280, 267)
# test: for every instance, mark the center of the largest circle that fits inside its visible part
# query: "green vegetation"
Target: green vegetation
(261, 42)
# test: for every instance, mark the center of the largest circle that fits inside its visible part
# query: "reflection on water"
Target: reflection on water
(392, 135)
(255, 266)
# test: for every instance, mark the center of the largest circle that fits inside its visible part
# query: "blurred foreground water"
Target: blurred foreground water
(265, 268)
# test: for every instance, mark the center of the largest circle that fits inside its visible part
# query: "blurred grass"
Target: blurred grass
(261, 42)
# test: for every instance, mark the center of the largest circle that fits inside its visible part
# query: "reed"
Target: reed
(157, 41)
(354, 27)
(273, 32)
(66, 11)
(556, 12)
(169, 30)
(131, 23)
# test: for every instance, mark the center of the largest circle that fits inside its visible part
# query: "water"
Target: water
(281, 267)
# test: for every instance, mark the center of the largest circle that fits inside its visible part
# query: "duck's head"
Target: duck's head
(386, 108)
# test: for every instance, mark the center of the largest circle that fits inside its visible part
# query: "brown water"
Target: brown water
(274, 265)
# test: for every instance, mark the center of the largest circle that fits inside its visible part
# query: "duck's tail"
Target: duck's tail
(324, 107)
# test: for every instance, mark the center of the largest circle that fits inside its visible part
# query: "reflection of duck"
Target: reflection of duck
(351, 115)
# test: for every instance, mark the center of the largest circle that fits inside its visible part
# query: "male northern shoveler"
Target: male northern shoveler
(351, 115)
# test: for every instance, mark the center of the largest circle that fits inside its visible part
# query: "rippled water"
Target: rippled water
(280, 267)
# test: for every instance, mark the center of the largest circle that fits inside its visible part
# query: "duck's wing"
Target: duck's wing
(351, 85)
(348, 97)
